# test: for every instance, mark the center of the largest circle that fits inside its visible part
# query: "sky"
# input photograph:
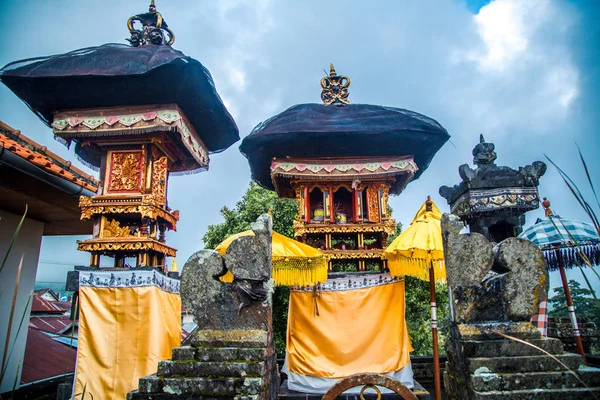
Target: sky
(525, 74)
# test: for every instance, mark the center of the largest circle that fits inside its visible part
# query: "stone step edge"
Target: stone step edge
(571, 360)
(581, 379)
(153, 384)
(529, 391)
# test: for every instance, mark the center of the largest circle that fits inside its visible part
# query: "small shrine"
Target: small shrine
(341, 162)
(493, 199)
(148, 112)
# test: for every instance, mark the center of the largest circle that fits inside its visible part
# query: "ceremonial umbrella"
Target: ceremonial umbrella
(294, 263)
(565, 243)
(419, 252)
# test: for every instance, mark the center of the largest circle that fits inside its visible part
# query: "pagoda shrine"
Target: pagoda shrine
(138, 114)
(341, 162)
(145, 112)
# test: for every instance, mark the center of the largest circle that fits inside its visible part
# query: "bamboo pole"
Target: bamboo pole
(570, 307)
(434, 334)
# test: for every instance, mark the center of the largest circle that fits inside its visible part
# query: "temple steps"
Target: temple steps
(510, 348)
(188, 353)
(491, 382)
(526, 363)
(224, 369)
(210, 387)
(541, 394)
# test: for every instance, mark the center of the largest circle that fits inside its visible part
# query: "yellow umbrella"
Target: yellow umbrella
(419, 252)
(294, 263)
(419, 247)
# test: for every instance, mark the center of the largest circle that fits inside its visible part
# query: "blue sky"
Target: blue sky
(523, 73)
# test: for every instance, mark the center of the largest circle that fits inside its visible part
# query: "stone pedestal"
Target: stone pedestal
(484, 365)
(494, 352)
(232, 356)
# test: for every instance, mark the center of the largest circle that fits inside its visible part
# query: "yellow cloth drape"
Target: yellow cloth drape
(419, 246)
(123, 333)
(357, 331)
(294, 263)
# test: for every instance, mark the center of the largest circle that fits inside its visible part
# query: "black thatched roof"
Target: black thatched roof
(119, 75)
(315, 130)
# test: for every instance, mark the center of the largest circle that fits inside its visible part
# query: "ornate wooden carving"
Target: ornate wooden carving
(113, 228)
(124, 172)
(372, 205)
(159, 179)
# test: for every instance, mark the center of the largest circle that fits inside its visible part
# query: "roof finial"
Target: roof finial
(546, 205)
(335, 88)
(152, 31)
(428, 204)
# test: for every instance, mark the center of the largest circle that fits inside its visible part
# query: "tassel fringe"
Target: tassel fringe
(400, 265)
(571, 256)
(294, 271)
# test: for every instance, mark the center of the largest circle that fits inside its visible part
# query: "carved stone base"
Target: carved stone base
(484, 365)
(222, 364)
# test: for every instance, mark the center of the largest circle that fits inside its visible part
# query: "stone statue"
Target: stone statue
(232, 353)
(493, 199)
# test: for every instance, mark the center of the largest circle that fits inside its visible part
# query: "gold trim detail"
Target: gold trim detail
(124, 245)
(113, 229)
(353, 254)
(146, 205)
(301, 228)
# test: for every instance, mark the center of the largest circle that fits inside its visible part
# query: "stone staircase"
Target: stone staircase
(236, 369)
(493, 368)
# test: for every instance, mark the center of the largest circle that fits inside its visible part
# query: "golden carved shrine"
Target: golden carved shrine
(343, 201)
(341, 162)
(343, 205)
(137, 148)
(137, 114)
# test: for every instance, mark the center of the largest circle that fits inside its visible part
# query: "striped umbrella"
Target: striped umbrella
(565, 243)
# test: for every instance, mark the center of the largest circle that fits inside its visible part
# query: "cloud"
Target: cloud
(521, 66)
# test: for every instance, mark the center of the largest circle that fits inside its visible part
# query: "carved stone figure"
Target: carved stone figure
(493, 350)
(232, 353)
(493, 199)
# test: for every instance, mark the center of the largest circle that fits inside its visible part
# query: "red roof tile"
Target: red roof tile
(13, 141)
(45, 358)
(41, 292)
(41, 306)
(50, 324)
(63, 305)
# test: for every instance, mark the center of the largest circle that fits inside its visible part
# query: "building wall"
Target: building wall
(28, 244)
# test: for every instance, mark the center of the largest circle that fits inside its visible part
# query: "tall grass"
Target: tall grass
(8, 347)
(585, 205)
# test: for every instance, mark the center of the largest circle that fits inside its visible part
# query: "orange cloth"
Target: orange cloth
(357, 331)
(123, 333)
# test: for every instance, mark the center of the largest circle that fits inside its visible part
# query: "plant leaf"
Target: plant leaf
(587, 173)
(14, 238)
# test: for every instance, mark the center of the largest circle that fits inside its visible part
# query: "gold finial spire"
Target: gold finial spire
(153, 29)
(428, 204)
(546, 205)
(335, 88)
